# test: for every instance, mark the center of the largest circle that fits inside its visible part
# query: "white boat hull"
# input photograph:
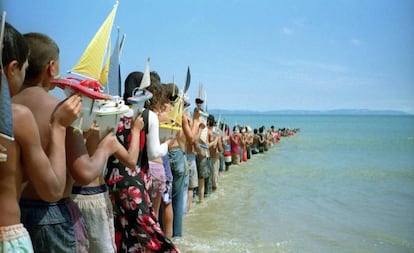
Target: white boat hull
(109, 114)
(167, 131)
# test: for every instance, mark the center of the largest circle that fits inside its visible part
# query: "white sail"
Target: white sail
(146, 79)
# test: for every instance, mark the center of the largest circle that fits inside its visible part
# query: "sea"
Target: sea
(343, 183)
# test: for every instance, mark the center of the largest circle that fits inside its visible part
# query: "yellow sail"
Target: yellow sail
(91, 62)
(176, 113)
(179, 115)
(103, 79)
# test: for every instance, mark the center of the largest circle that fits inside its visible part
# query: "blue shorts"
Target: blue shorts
(15, 239)
(51, 226)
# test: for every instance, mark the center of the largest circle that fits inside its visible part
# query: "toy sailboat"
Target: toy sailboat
(140, 94)
(109, 114)
(169, 129)
(203, 114)
(203, 117)
(92, 70)
(216, 128)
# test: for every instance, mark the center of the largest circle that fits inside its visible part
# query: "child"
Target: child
(26, 159)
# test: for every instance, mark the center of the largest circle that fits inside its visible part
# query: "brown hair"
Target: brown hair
(155, 102)
(42, 50)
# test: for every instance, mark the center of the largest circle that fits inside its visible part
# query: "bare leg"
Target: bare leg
(189, 199)
(215, 164)
(200, 190)
(167, 219)
(156, 202)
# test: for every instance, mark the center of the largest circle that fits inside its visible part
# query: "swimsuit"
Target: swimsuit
(15, 239)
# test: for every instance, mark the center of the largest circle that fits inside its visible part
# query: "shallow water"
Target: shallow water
(342, 184)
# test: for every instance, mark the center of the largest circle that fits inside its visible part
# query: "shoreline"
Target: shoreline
(190, 242)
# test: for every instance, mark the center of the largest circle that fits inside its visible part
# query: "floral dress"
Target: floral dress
(136, 227)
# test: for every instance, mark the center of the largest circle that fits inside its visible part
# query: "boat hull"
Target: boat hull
(109, 114)
(138, 101)
(168, 131)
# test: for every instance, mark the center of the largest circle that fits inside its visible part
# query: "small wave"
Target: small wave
(196, 245)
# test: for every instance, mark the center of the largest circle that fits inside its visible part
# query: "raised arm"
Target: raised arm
(129, 157)
(212, 140)
(154, 148)
(233, 138)
(63, 116)
(220, 144)
(188, 132)
(83, 167)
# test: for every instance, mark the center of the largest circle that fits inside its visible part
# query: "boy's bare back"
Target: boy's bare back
(12, 176)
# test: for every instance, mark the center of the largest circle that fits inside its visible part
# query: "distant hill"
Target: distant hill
(311, 112)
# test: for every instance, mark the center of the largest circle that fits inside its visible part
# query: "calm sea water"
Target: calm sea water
(342, 184)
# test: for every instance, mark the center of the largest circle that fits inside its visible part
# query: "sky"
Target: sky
(249, 55)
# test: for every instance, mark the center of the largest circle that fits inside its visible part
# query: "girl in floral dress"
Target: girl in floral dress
(136, 227)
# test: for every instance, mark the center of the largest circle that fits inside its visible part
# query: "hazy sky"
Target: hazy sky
(259, 55)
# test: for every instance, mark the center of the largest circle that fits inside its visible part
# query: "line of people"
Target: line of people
(64, 192)
(56, 187)
(127, 192)
(221, 148)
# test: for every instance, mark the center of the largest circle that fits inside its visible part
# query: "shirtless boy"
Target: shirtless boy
(26, 160)
(58, 225)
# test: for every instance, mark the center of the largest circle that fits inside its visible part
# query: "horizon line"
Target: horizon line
(318, 111)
